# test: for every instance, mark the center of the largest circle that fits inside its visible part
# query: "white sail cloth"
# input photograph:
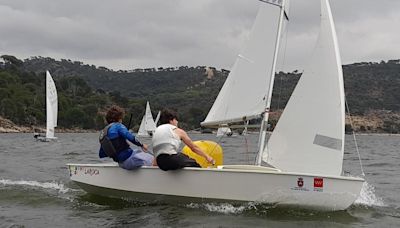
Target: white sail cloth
(243, 95)
(309, 136)
(51, 106)
(147, 125)
(223, 131)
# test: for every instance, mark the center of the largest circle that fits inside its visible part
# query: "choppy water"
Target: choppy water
(35, 190)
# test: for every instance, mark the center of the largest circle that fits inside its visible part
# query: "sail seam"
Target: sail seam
(247, 59)
(273, 2)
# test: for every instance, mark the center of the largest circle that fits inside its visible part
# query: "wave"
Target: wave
(379, 164)
(224, 208)
(35, 184)
(368, 198)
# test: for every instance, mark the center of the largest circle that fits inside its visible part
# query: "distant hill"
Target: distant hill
(370, 87)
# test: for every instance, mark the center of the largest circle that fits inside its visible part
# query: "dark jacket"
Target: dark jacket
(118, 134)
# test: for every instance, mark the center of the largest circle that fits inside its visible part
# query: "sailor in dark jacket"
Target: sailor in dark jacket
(113, 143)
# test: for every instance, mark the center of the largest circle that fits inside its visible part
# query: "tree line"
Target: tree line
(85, 91)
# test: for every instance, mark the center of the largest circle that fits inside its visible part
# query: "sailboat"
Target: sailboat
(304, 158)
(157, 118)
(244, 131)
(147, 126)
(224, 131)
(51, 110)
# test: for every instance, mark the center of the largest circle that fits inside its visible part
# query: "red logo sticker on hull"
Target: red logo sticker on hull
(318, 182)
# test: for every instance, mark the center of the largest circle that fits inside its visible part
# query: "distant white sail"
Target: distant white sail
(147, 126)
(223, 131)
(309, 136)
(150, 125)
(51, 106)
(244, 132)
(142, 131)
(244, 93)
(157, 117)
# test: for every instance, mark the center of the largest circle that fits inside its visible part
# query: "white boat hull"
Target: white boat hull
(45, 139)
(226, 183)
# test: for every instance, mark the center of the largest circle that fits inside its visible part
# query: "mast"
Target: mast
(264, 123)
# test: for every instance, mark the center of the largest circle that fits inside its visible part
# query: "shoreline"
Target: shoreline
(19, 129)
(39, 130)
(7, 126)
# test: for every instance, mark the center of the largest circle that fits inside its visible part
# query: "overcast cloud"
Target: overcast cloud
(128, 34)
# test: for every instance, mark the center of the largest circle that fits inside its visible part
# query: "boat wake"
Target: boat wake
(37, 185)
(224, 208)
(368, 198)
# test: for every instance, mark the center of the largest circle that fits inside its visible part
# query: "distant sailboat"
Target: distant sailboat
(245, 131)
(157, 118)
(224, 131)
(306, 156)
(147, 126)
(51, 110)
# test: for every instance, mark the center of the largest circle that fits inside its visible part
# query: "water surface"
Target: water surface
(35, 190)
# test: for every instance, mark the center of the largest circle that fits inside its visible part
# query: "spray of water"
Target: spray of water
(35, 184)
(368, 198)
(224, 208)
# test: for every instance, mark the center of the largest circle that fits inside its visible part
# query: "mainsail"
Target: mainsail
(51, 106)
(244, 93)
(310, 131)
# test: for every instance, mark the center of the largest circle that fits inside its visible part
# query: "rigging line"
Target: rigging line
(246, 145)
(196, 129)
(218, 142)
(247, 149)
(272, 3)
(354, 138)
(245, 133)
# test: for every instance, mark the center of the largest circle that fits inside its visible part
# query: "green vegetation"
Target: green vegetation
(23, 99)
(85, 91)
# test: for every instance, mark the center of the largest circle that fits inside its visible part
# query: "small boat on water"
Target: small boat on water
(224, 131)
(304, 159)
(147, 126)
(51, 111)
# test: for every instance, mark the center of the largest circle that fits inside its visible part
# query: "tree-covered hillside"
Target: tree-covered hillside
(85, 90)
(373, 86)
(23, 99)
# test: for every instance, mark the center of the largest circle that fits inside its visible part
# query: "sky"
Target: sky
(130, 34)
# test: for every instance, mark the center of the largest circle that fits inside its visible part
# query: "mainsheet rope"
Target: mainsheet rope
(354, 138)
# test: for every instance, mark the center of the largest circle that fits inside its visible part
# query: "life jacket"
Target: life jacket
(112, 147)
(165, 140)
